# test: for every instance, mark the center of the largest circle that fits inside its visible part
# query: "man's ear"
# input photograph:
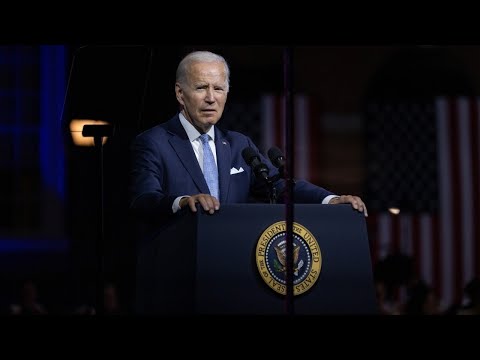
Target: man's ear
(179, 93)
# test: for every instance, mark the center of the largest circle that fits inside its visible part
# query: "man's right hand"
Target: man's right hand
(206, 201)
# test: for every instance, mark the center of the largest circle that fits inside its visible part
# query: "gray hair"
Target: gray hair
(200, 56)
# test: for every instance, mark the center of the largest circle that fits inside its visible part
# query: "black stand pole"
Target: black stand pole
(98, 132)
(289, 176)
(101, 234)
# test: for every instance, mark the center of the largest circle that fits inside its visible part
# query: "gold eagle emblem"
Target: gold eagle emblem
(281, 250)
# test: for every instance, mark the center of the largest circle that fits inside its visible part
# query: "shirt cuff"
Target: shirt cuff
(176, 203)
(327, 199)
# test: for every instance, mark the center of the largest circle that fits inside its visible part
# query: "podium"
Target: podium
(208, 264)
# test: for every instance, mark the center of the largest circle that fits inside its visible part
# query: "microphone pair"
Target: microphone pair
(259, 168)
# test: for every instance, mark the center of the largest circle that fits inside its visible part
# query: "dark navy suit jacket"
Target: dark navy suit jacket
(164, 167)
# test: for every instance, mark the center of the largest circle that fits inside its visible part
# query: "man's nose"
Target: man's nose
(210, 96)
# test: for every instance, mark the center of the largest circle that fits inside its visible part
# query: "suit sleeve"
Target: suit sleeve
(147, 196)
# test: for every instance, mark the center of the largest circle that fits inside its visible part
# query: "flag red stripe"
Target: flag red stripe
(474, 149)
(315, 134)
(437, 283)
(279, 128)
(417, 254)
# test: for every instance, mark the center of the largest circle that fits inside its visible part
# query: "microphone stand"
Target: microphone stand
(98, 132)
(272, 190)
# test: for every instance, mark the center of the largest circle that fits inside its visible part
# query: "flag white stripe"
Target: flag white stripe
(268, 120)
(466, 189)
(477, 185)
(445, 200)
(302, 138)
(406, 234)
(385, 235)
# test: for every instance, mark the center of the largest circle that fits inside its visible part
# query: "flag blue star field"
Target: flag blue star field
(424, 158)
(402, 169)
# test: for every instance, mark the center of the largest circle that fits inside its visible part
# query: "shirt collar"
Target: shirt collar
(193, 133)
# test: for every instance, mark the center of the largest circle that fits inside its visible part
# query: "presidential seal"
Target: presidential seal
(271, 258)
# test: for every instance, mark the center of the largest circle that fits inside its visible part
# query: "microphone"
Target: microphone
(251, 158)
(277, 158)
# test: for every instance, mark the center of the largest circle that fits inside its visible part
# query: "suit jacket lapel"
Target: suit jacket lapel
(223, 162)
(183, 148)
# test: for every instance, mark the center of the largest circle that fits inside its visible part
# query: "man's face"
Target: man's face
(204, 95)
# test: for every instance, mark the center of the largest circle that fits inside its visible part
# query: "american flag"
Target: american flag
(424, 158)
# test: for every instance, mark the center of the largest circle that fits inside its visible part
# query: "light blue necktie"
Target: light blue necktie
(210, 171)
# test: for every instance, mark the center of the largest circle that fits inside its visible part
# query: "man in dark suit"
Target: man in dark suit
(168, 160)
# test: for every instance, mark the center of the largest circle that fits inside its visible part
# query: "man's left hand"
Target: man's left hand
(356, 202)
